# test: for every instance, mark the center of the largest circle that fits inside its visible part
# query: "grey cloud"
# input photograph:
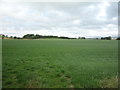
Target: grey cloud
(72, 18)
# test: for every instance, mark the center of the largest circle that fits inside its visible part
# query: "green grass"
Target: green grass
(0, 63)
(57, 63)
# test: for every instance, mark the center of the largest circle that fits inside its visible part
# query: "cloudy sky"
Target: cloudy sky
(72, 19)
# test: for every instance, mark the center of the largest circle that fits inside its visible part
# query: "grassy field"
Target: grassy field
(57, 63)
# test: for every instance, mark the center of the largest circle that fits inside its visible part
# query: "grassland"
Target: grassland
(57, 63)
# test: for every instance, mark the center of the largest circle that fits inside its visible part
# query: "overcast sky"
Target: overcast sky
(72, 19)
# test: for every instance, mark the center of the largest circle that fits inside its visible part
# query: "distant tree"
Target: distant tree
(6, 36)
(108, 38)
(29, 36)
(83, 38)
(102, 38)
(73, 38)
(18, 38)
(3, 36)
(37, 36)
(118, 38)
(11, 36)
(96, 38)
(15, 37)
(61, 37)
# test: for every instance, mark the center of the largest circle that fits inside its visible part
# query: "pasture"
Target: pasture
(60, 63)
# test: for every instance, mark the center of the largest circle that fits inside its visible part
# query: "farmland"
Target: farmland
(58, 63)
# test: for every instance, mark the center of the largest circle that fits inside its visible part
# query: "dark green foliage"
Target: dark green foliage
(3, 36)
(118, 38)
(32, 36)
(29, 36)
(64, 37)
(81, 38)
(15, 37)
(106, 38)
(19, 38)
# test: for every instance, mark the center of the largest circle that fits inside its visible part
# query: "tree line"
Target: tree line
(37, 36)
(106, 38)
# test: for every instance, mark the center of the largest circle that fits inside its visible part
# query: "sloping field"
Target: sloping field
(57, 63)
